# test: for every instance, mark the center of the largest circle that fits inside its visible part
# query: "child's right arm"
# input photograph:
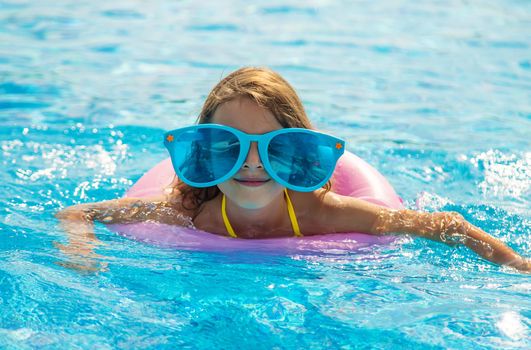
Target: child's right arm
(122, 210)
(78, 222)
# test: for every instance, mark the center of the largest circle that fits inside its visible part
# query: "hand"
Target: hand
(81, 257)
(523, 265)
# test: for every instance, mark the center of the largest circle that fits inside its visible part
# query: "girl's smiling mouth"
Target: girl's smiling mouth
(252, 182)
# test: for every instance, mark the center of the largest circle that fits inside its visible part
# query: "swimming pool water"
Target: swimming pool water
(436, 95)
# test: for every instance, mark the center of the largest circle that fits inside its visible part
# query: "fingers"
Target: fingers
(84, 266)
(81, 258)
(522, 265)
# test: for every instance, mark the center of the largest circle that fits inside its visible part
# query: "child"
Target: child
(245, 172)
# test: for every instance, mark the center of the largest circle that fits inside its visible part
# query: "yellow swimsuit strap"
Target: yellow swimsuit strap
(291, 213)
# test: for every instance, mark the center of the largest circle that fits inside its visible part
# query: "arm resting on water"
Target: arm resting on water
(78, 222)
(450, 228)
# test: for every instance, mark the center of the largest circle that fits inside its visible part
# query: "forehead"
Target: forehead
(246, 115)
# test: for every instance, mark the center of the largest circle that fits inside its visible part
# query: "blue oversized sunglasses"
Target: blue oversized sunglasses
(205, 155)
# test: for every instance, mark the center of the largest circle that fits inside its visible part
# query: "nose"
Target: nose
(253, 158)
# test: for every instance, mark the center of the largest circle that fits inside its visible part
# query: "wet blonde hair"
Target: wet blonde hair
(270, 91)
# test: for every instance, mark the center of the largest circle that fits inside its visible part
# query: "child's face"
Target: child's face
(251, 187)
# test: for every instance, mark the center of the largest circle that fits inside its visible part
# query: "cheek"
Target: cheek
(251, 198)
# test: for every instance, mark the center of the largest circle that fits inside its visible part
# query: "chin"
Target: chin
(251, 197)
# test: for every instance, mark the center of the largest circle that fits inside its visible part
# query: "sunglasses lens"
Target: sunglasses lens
(301, 159)
(204, 155)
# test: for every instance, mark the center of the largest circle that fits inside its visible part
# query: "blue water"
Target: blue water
(435, 94)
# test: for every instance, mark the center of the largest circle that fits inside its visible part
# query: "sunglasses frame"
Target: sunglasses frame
(262, 141)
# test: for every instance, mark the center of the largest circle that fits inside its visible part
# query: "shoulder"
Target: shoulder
(324, 202)
(328, 212)
(313, 210)
(208, 217)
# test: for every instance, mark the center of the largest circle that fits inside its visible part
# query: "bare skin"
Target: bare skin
(261, 212)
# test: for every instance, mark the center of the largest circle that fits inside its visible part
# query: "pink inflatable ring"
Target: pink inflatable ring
(352, 177)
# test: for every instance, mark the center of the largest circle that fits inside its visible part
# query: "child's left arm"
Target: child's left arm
(450, 228)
